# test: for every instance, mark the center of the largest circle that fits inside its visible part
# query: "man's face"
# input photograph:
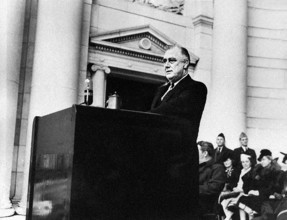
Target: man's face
(244, 141)
(174, 64)
(220, 141)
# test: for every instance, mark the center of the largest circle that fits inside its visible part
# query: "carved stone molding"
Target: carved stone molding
(126, 52)
(203, 20)
(174, 6)
(125, 42)
(95, 67)
(122, 52)
(138, 36)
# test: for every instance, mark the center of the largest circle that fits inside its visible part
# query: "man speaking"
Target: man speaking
(181, 96)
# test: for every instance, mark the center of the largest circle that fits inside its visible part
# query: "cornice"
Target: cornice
(202, 19)
(125, 51)
(117, 42)
(110, 47)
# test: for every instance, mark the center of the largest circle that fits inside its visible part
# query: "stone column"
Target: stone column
(84, 48)
(202, 17)
(55, 69)
(99, 84)
(228, 84)
(12, 14)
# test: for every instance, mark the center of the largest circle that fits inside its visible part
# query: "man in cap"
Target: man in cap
(244, 149)
(221, 151)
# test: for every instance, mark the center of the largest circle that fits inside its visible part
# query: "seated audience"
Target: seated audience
(230, 198)
(211, 178)
(263, 185)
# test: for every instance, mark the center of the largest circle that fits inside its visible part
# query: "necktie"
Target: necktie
(171, 86)
(217, 154)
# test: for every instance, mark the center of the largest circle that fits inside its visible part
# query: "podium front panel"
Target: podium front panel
(95, 163)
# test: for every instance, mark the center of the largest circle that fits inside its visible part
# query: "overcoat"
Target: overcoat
(186, 100)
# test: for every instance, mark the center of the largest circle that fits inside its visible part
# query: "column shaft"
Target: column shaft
(99, 88)
(228, 85)
(12, 25)
(56, 67)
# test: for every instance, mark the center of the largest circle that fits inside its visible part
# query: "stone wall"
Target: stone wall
(118, 14)
(267, 75)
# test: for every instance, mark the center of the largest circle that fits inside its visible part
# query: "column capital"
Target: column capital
(93, 68)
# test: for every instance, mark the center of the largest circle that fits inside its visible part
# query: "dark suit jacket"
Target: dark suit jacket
(225, 152)
(238, 151)
(186, 100)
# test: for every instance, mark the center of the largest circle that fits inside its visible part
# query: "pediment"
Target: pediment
(142, 42)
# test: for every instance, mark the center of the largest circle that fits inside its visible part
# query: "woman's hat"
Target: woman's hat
(264, 152)
(284, 158)
(244, 156)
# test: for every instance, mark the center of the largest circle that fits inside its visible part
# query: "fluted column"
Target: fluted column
(99, 84)
(55, 69)
(228, 86)
(12, 16)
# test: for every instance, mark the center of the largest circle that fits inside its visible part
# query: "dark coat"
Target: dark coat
(247, 179)
(186, 100)
(232, 178)
(238, 151)
(212, 178)
(263, 180)
(223, 155)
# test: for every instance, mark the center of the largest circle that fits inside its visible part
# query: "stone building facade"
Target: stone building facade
(48, 46)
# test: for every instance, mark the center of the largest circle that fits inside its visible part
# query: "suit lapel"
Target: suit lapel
(180, 86)
(157, 99)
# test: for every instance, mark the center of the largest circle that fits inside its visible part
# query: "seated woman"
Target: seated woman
(263, 185)
(242, 186)
(277, 203)
(232, 173)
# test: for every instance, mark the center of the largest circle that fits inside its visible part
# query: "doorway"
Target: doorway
(136, 95)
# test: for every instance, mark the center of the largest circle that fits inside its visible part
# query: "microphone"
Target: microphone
(88, 92)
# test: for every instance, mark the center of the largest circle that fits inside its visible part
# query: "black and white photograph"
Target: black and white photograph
(143, 110)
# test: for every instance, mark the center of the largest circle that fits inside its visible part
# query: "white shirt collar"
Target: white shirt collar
(244, 148)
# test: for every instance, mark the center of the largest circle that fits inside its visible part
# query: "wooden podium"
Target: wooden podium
(96, 163)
